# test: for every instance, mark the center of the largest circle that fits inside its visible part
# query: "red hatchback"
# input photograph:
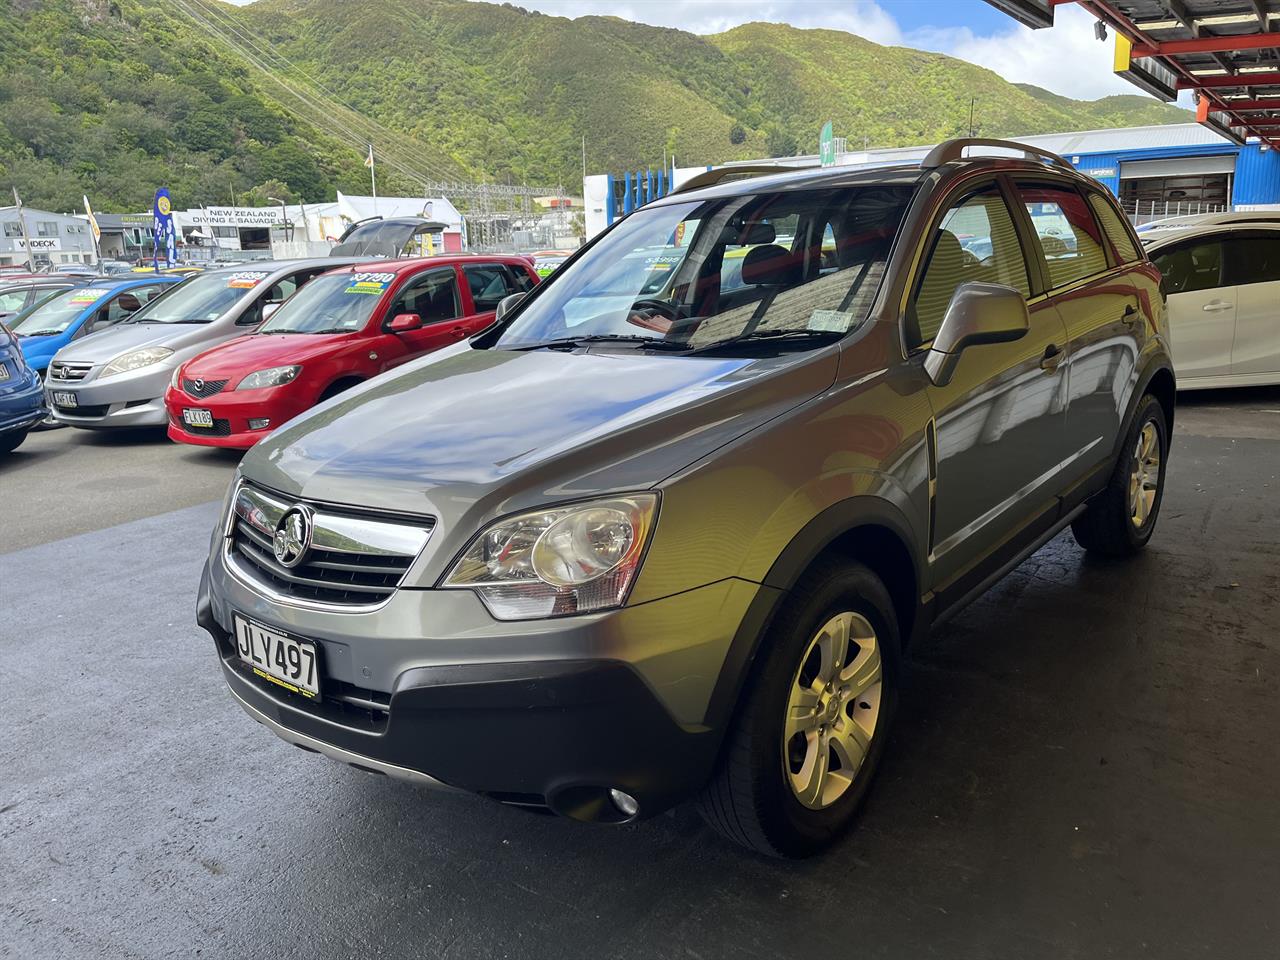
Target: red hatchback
(342, 328)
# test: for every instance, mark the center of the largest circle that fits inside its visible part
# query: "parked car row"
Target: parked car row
(212, 359)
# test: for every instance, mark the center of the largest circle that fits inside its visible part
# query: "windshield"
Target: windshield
(800, 266)
(56, 314)
(337, 303)
(201, 299)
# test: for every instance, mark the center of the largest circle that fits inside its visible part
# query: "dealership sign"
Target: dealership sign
(37, 244)
(234, 216)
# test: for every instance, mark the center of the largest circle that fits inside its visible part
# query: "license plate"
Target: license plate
(282, 660)
(197, 418)
(63, 398)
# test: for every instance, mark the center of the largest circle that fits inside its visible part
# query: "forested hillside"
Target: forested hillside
(113, 97)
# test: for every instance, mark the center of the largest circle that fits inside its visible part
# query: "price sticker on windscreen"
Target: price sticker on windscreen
(835, 321)
(245, 279)
(83, 297)
(369, 282)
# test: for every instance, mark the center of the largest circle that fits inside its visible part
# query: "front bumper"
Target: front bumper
(232, 410)
(22, 405)
(134, 399)
(541, 713)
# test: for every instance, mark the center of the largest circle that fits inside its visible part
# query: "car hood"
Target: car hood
(41, 347)
(106, 345)
(235, 358)
(467, 431)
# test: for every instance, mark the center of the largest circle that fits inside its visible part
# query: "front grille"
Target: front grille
(84, 410)
(352, 560)
(60, 372)
(203, 388)
(341, 703)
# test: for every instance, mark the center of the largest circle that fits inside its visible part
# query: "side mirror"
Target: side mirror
(978, 313)
(405, 322)
(268, 309)
(506, 305)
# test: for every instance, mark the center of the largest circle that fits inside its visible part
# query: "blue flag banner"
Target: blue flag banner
(163, 229)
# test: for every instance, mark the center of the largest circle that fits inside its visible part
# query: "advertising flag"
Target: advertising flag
(93, 221)
(163, 228)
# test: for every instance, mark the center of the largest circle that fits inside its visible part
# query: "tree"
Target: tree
(260, 196)
(737, 134)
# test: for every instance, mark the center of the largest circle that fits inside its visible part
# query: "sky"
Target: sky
(1066, 58)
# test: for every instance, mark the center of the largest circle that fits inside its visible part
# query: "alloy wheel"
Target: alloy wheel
(832, 710)
(1144, 475)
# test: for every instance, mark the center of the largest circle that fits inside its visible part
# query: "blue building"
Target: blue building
(1155, 171)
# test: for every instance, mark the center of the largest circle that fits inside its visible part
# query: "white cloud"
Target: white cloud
(1067, 58)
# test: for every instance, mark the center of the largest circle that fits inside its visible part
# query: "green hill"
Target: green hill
(114, 97)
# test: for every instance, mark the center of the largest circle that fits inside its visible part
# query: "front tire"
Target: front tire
(813, 719)
(1121, 519)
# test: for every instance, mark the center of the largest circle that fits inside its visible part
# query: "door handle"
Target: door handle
(1052, 357)
(459, 331)
(1217, 306)
(1130, 315)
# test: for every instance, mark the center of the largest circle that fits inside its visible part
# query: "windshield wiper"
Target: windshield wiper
(38, 333)
(765, 335)
(569, 343)
(325, 330)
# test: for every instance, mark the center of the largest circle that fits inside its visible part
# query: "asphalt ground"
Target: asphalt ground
(1086, 765)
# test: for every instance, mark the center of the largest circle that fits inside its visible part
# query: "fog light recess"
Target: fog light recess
(627, 805)
(259, 423)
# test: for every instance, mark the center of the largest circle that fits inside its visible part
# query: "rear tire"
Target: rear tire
(791, 778)
(10, 442)
(1121, 519)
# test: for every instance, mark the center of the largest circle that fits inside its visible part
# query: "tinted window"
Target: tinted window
(489, 284)
(432, 296)
(1190, 266)
(1068, 233)
(1116, 231)
(523, 281)
(976, 240)
(1251, 259)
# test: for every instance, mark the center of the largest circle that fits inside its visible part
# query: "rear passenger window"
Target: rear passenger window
(976, 240)
(489, 284)
(432, 296)
(1115, 228)
(1069, 235)
(1251, 259)
(523, 282)
(1189, 267)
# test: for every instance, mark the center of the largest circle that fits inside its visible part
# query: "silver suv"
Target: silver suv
(664, 531)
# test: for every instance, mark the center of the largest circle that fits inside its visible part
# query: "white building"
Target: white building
(55, 238)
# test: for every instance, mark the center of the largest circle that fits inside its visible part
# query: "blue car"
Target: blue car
(95, 305)
(21, 394)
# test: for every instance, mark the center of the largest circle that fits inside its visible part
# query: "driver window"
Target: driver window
(119, 308)
(432, 296)
(975, 240)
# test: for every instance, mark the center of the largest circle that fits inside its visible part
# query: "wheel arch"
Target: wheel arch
(868, 530)
(340, 384)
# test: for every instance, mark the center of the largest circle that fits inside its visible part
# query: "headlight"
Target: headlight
(136, 359)
(271, 377)
(563, 560)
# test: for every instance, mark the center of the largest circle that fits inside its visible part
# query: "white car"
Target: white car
(1223, 285)
(1147, 232)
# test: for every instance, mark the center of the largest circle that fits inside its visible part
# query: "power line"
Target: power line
(344, 121)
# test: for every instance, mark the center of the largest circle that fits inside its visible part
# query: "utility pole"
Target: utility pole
(972, 101)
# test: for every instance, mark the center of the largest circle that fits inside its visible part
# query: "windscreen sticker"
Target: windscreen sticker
(836, 321)
(369, 282)
(246, 279)
(81, 297)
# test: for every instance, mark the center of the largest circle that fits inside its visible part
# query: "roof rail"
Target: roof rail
(950, 150)
(743, 171)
